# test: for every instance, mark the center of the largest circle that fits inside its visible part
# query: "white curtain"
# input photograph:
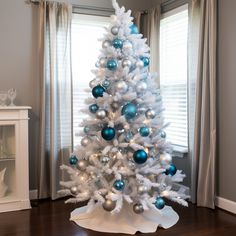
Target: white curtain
(56, 112)
(202, 69)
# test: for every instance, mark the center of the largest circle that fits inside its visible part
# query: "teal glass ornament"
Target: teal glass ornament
(134, 29)
(159, 203)
(119, 185)
(140, 156)
(144, 131)
(86, 129)
(93, 108)
(146, 61)
(117, 43)
(106, 83)
(108, 133)
(73, 160)
(129, 111)
(98, 91)
(112, 64)
(171, 170)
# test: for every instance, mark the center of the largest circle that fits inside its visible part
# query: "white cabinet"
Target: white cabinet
(14, 171)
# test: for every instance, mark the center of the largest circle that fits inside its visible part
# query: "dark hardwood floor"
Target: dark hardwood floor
(51, 218)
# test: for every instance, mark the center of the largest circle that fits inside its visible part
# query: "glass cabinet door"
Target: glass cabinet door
(7, 161)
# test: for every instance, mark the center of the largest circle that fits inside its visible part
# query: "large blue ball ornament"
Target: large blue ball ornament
(159, 203)
(146, 61)
(112, 64)
(108, 133)
(171, 170)
(144, 131)
(129, 111)
(134, 29)
(119, 185)
(117, 43)
(98, 91)
(140, 156)
(73, 160)
(93, 108)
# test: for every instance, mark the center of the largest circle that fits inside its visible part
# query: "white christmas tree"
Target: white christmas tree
(123, 154)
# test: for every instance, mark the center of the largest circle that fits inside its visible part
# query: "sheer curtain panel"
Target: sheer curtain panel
(56, 86)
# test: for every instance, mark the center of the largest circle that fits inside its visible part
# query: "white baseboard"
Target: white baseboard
(33, 194)
(226, 204)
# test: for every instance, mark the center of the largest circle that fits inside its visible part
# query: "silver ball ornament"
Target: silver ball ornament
(109, 205)
(115, 30)
(82, 165)
(93, 83)
(139, 64)
(141, 87)
(165, 159)
(104, 160)
(138, 208)
(121, 87)
(142, 189)
(106, 44)
(101, 114)
(126, 63)
(127, 45)
(103, 62)
(82, 177)
(150, 114)
(85, 141)
(74, 190)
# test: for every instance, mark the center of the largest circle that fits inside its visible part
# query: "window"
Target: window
(173, 74)
(86, 30)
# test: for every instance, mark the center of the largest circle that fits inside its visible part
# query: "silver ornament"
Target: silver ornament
(150, 114)
(74, 190)
(126, 63)
(93, 83)
(85, 141)
(103, 62)
(115, 105)
(109, 205)
(138, 208)
(163, 134)
(139, 64)
(82, 177)
(115, 30)
(121, 87)
(141, 87)
(106, 44)
(101, 114)
(142, 109)
(104, 159)
(127, 45)
(165, 159)
(142, 189)
(82, 165)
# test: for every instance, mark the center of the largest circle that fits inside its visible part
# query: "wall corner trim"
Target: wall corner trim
(226, 204)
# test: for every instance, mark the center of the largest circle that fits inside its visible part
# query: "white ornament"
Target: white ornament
(142, 189)
(106, 44)
(141, 87)
(3, 186)
(139, 64)
(115, 30)
(85, 141)
(165, 159)
(101, 114)
(121, 87)
(126, 63)
(74, 190)
(103, 62)
(127, 45)
(82, 165)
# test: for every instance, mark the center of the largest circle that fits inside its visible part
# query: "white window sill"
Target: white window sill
(179, 151)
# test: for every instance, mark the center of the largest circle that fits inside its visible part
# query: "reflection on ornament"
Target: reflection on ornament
(138, 208)
(126, 63)
(101, 114)
(140, 156)
(82, 177)
(98, 91)
(109, 205)
(85, 141)
(119, 185)
(73, 160)
(82, 165)
(74, 190)
(139, 64)
(159, 203)
(112, 64)
(142, 189)
(115, 30)
(108, 133)
(134, 29)
(129, 111)
(117, 43)
(106, 44)
(150, 114)
(144, 131)
(93, 108)
(171, 170)
(106, 83)
(165, 159)
(121, 87)
(141, 87)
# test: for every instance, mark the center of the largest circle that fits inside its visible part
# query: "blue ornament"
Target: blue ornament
(108, 133)
(140, 156)
(112, 64)
(93, 108)
(146, 61)
(86, 129)
(117, 43)
(159, 203)
(144, 131)
(129, 111)
(128, 136)
(73, 160)
(119, 185)
(98, 91)
(163, 134)
(134, 29)
(106, 83)
(171, 170)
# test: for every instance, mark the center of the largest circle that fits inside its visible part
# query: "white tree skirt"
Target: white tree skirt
(126, 221)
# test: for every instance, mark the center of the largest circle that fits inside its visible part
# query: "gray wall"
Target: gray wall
(226, 168)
